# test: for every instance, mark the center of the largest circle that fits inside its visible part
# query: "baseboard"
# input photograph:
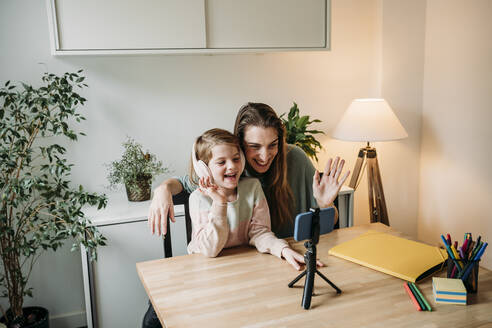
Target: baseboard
(68, 320)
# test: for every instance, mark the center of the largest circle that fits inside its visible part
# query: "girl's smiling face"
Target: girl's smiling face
(261, 147)
(225, 166)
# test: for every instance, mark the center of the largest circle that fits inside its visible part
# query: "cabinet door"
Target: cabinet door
(120, 299)
(266, 23)
(129, 24)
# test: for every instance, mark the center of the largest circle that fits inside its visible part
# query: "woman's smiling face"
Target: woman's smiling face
(261, 147)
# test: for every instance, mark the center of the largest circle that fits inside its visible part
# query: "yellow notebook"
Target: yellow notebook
(399, 257)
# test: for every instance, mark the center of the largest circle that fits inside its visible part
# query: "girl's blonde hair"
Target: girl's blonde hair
(276, 188)
(205, 143)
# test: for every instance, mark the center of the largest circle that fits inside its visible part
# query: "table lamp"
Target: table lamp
(370, 120)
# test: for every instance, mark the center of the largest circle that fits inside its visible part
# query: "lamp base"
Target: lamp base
(377, 202)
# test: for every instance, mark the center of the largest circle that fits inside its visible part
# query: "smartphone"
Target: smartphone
(302, 228)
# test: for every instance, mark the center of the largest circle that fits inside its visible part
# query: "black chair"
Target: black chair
(181, 198)
(337, 225)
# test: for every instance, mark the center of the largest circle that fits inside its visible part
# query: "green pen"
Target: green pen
(477, 248)
(421, 297)
(417, 297)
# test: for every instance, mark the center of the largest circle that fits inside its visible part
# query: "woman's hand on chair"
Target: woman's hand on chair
(326, 188)
(161, 207)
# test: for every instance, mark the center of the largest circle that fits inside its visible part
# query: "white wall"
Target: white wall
(455, 178)
(402, 74)
(165, 101)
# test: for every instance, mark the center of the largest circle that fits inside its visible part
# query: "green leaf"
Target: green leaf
(46, 210)
(297, 131)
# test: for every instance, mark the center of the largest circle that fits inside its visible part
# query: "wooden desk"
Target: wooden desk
(242, 287)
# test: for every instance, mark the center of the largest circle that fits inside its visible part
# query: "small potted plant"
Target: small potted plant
(136, 170)
(39, 207)
(298, 134)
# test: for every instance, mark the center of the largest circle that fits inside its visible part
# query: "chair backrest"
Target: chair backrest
(181, 198)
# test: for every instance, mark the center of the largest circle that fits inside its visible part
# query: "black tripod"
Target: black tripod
(310, 259)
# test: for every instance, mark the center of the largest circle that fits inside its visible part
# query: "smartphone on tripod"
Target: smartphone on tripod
(303, 223)
(311, 225)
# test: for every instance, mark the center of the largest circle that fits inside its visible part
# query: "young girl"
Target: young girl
(227, 211)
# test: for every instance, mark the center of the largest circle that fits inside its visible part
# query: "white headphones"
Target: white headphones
(203, 171)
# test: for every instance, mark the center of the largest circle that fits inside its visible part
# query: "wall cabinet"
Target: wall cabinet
(266, 24)
(187, 26)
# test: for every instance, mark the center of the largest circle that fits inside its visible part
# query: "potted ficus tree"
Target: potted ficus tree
(135, 170)
(298, 134)
(39, 209)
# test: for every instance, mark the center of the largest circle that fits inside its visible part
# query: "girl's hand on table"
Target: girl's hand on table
(295, 259)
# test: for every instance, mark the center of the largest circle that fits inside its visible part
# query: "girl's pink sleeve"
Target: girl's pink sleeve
(210, 228)
(260, 233)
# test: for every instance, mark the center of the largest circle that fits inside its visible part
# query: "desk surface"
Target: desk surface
(243, 288)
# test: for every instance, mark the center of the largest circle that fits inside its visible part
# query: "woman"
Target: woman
(289, 180)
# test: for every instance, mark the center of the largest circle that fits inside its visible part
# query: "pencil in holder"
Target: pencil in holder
(468, 272)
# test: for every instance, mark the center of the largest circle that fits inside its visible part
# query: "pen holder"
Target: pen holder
(471, 282)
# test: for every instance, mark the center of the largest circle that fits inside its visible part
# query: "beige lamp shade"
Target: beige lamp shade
(369, 120)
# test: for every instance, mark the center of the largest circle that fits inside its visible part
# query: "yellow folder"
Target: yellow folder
(399, 257)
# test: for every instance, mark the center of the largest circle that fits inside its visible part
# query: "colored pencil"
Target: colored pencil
(414, 301)
(414, 292)
(450, 253)
(470, 249)
(472, 263)
(427, 305)
(464, 248)
(456, 256)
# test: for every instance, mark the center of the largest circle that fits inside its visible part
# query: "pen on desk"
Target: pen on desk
(417, 297)
(421, 296)
(414, 301)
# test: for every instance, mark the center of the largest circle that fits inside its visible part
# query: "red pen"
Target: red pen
(448, 239)
(414, 301)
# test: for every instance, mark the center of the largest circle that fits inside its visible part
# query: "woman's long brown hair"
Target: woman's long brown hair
(277, 189)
